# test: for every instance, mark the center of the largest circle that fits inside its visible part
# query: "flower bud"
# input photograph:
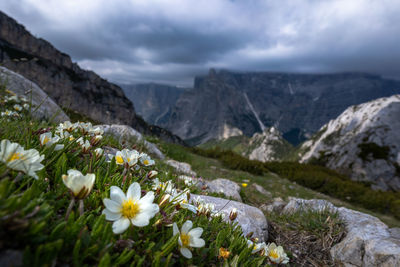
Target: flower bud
(151, 174)
(233, 214)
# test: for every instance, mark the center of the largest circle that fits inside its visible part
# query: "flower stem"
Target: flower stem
(81, 207)
(71, 205)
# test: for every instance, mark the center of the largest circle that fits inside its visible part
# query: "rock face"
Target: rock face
(296, 104)
(226, 187)
(181, 167)
(250, 218)
(153, 101)
(363, 142)
(125, 132)
(65, 82)
(368, 241)
(267, 146)
(47, 109)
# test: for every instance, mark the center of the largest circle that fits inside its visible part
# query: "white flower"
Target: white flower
(256, 246)
(96, 131)
(179, 197)
(152, 174)
(146, 160)
(167, 187)
(79, 184)
(188, 237)
(17, 107)
(15, 157)
(26, 106)
(47, 139)
(126, 156)
(98, 152)
(67, 126)
(95, 140)
(85, 145)
(276, 254)
(130, 208)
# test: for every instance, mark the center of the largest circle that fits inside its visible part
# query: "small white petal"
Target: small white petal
(120, 226)
(111, 216)
(196, 232)
(197, 242)
(186, 227)
(140, 220)
(112, 205)
(175, 229)
(186, 253)
(117, 195)
(134, 191)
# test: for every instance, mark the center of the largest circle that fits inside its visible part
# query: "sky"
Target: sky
(171, 41)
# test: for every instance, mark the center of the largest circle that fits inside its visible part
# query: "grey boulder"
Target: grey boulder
(47, 108)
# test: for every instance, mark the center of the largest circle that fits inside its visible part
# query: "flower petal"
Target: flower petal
(197, 242)
(117, 195)
(148, 198)
(186, 253)
(140, 220)
(186, 227)
(112, 205)
(120, 226)
(175, 229)
(196, 232)
(134, 191)
(111, 216)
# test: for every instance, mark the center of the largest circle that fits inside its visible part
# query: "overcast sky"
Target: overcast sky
(171, 41)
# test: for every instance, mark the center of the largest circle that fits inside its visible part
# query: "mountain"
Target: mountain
(152, 101)
(65, 82)
(363, 142)
(268, 146)
(295, 104)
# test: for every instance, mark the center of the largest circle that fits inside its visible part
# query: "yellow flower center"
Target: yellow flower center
(16, 156)
(146, 162)
(119, 159)
(130, 209)
(273, 254)
(185, 238)
(45, 140)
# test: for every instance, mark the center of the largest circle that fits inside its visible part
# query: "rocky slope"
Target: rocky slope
(152, 101)
(267, 146)
(363, 142)
(296, 104)
(65, 82)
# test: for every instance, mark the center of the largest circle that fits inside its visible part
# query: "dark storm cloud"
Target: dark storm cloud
(172, 41)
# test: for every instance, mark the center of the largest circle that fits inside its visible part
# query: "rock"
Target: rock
(11, 258)
(126, 133)
(395, 232)
(267, 146)
(261, 189)
(250, 218)
(368, 241)
(48, 109)
(181, 167)
(363, 142)
(225, 186)
(276, 206)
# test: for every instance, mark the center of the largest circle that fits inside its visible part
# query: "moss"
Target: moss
(373, 149)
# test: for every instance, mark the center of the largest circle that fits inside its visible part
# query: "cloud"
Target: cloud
(172, 41)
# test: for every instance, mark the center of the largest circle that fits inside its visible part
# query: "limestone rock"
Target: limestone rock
(368, 241)
(11, 258)
(125, 133)
(181, 167)
(276, 206)
(18, 84)
(250, 218)
(363, 142)
(261, 189)
(225, 186)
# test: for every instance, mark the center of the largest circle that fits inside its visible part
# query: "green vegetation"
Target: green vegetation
(315, 177)
(374, 150)
(33, 211)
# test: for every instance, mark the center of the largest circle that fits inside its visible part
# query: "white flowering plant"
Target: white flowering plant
(132, 210)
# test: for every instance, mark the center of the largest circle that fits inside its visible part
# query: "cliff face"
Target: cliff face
(296, 104)
(363, 142)
(153, 101)
(65, 82)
